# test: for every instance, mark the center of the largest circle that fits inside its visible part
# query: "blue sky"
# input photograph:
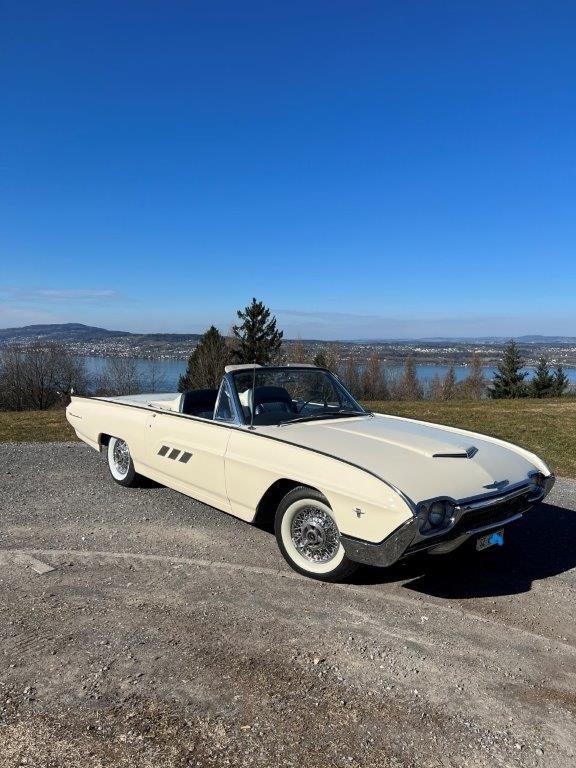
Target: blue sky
(368, 169)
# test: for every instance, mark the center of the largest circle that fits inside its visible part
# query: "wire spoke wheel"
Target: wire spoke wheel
(120, 463)
(308, 536)
(121, 457)
(315, 535)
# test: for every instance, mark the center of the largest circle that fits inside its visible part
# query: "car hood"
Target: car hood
(422, 460)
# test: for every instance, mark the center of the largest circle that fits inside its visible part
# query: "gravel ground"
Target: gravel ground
(170, 634)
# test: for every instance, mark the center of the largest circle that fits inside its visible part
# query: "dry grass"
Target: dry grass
(547, 427)
(34, 427)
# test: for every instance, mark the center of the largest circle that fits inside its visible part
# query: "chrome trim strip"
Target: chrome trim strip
(493, 501)
(499, 524)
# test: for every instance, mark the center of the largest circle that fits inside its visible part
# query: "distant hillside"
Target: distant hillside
(78, 332)
(89, 340)
(529, 339)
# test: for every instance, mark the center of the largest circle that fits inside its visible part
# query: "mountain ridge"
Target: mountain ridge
(86, 333)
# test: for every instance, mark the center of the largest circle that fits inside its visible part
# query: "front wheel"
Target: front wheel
(120, 463)
(309, 538)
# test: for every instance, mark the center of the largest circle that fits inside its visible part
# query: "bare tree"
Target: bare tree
(298, 352)
(119, 377)
(474, 385)
(351, 376)
(434, 389)
(155, 380)
(39, 376)
(408, 387)
(374, 386)
(449, 384)
(332, 358)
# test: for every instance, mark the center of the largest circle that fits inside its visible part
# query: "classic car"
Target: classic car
(343, 486)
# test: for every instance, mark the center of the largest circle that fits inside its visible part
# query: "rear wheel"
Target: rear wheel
(120, 463)
(308, 536)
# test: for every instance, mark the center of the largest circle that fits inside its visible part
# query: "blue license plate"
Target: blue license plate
(494, 539)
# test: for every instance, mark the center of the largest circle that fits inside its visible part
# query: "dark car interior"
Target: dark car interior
(199, 402)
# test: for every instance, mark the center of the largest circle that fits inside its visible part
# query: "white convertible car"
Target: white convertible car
(343, 486)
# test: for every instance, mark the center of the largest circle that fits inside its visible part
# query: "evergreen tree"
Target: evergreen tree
(320, 359)
(258, 340)
(543, 382)
(509, 379)
(561, 382)
(206, 363)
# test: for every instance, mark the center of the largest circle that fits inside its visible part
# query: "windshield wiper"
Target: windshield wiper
(324, 415)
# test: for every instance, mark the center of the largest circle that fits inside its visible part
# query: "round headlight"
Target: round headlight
(436, 513)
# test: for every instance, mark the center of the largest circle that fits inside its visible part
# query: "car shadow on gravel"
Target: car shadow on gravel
(537, 547)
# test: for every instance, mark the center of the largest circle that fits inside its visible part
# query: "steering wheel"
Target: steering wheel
(315, 396)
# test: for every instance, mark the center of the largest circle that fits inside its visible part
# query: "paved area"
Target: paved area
(141, 628)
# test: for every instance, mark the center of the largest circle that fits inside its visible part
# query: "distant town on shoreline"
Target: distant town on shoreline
(101, 342)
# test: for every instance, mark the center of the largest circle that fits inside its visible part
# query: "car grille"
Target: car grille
(478, 518)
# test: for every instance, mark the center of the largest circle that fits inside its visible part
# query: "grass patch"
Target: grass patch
(546, 427)
(35, 427)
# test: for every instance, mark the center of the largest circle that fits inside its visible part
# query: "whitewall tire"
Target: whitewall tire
(120, 463)
(308, 536)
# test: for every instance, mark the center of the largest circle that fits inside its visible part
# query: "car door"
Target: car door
(187, 454)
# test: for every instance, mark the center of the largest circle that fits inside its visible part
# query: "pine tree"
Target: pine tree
(561, 381)
(509, 379)
(258, 340)
(206, 363)
(543, 383)
(320, 359)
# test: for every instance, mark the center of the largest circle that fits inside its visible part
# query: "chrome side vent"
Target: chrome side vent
(467, 454)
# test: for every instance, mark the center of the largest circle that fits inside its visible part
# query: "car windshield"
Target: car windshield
(284, 395)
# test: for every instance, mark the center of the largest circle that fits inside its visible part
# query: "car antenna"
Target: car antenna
(253, 397)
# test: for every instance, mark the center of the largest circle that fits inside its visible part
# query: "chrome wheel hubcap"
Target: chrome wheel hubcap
(315, 535)
(121, 456)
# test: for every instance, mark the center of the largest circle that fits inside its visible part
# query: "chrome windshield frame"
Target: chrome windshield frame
(292, 368)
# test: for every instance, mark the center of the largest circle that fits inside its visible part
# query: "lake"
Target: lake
(166, 372)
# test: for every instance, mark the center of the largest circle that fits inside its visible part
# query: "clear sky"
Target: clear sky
(367, 169)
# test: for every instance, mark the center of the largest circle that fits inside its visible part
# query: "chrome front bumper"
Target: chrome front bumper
(471, 518)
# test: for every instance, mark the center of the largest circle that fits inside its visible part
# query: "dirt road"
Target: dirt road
(170, 634)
